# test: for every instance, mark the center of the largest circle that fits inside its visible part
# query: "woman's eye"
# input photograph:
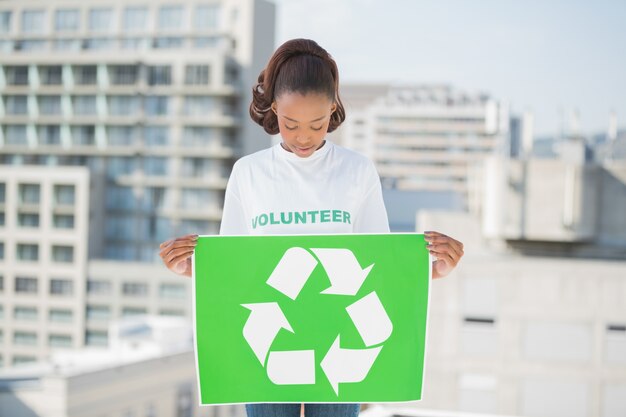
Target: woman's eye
(291, 128)
(317, 128)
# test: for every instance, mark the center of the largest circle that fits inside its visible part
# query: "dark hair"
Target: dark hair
(297, 66)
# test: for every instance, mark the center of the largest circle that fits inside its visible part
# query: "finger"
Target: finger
(178, 244)
(446, 247)
(444, 256)
(189, 236)
(176, 260)
(177, 252)
(458, 246)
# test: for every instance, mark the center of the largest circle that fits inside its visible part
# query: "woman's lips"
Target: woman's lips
(303, 150)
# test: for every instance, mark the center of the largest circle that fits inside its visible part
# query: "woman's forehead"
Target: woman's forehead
(303, 107)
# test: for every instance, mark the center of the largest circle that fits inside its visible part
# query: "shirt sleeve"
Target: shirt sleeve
(233, 216)
(371, 216)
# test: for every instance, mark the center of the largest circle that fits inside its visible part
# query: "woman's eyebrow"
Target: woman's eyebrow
(293, 120)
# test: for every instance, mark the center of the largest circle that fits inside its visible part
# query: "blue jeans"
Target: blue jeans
(310, 410)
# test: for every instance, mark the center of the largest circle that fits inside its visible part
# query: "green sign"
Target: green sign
(310, 318)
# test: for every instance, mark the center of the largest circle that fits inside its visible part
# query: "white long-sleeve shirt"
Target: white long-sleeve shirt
(274, 191)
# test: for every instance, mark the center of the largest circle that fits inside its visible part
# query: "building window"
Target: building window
(83, 135)
(61, 287)
(49, 105)
(197, 74)
(196, 167)
(29, 193)
(16, 135)
(64, 195)
(120, 198)
(121, 135)
(123, 74)
(168, 42)
(135, 289)
(127, 106)
(30, 45)
(1, 282)
(84, 105)
(98, 287)
(189, 226)
(159, 75)
(170, 17)
(33, 21)
(96, 338)
(25, 313)
(86, 74)
(155, 229)
(100, 20)
(133, 311)
(198, 136)
(120, 228)
(206, 17)
(177, 291)
(98, 312)
(62, 253)
(51, 75)
(121, 251)
(21, 359)
(66, 20)
(195, 199)
(59, 340)
(28, 219)
(156, 105)
(154, 198)
(98, 44)
(203, 42)
(25, 338)
(26, 285)
(156, 135)
(16, 105)
(27, 251)
(5, 21)
(17, 75)
(155, 165)
(198, 105)
(66, 44)
(63, 221)
(3, 188)
(171, 312)
(60, 315)
(135, 19)
(49, 134)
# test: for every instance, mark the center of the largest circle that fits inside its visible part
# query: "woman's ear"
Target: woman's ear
(273, 107)
(333, 108)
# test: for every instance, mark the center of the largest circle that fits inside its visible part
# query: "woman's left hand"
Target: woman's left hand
(447, 251)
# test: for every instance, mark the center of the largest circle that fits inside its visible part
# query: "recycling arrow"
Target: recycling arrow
(340, 365)
(347, 365)
(262, 326)
(343, 270)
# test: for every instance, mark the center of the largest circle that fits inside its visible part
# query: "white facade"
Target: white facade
(422, 138)
(151, 100)
(117, 290)
(148, 370)
(43, 238)
(532, 324)
(152, 97)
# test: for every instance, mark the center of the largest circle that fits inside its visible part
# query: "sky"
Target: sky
(549, 57)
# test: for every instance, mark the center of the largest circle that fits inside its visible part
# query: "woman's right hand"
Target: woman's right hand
(176, 253)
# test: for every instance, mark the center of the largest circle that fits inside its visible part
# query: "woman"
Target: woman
(305, 184)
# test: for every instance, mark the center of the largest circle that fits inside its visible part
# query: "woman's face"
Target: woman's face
(303, 121)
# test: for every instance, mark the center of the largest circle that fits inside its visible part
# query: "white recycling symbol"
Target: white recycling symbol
(340, 365)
